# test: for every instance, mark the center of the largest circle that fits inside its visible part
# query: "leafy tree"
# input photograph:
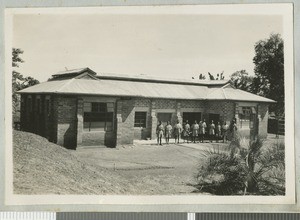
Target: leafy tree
(269, 71)
(19, 82)
(202, 76)
(241, 80)
(16, 59)
(219, 76)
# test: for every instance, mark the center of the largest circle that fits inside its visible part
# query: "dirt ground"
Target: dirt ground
(41, 167)
(167, 169)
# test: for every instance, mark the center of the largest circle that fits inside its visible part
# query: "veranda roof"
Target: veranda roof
(144, 89)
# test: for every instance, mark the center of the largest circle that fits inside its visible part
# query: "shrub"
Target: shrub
(255, 168)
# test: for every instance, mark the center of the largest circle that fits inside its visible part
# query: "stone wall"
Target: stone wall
(98, 139)
(125, 121)
(226, 110)
(94, 137)
(39, 118)
(62, 121)
(143, 105)
(263, 115)
(66, 108)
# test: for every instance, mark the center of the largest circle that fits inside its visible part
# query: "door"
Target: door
(164, 118)
(214, 117)
(191, 117)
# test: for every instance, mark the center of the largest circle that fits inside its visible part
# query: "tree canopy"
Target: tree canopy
(269, 71)
(241, 80)
(19, 81)
(219, 76)
(16, 59)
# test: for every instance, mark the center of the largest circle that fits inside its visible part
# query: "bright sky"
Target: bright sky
(178, 46)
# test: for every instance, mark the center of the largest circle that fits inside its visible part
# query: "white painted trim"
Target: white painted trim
(217, 111)
(192, 110)
(247, 104)
(141, 109)
(169, 110)
(97, 99)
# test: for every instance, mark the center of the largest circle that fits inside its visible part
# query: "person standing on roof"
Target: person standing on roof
(177, 131)
(168, 132)
(195, 131)
(159, 132)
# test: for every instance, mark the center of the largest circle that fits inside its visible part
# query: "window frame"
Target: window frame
(103, 116)
(140, 124)
(245, 115)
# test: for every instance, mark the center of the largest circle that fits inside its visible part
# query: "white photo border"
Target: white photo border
(171, 201)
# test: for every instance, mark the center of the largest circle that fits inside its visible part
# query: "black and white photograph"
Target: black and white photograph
(152, 101)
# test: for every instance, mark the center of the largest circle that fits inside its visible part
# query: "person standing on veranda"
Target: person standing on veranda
(225, 132)
(195, 131)
(201, 133)
(218, 131)
(177, 131)
(168, 132)
(233, 129)
(186, 131)
(203, 130)
(159, 132)
(211, 130)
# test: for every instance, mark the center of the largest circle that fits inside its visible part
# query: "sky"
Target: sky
(170, 46)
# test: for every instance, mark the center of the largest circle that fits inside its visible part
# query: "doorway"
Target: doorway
(164, 118)
(214, 117)
(191, 117)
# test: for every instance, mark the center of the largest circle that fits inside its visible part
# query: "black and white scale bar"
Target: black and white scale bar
(27, 215)
(247, 216)
(121, 216)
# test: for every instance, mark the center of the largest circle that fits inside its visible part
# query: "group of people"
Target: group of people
(195, 131)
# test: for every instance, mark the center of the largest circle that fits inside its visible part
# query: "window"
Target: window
(246, 116)
(140, 119)
(98, 116)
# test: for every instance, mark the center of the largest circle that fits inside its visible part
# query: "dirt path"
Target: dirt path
(168, 169)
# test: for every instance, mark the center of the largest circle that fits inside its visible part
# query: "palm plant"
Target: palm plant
(243, 167)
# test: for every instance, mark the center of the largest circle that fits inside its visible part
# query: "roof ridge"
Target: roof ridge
(66, 84)
(85, 74)
(163, 80)
(224, 93)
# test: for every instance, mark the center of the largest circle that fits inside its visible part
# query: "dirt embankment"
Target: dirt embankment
(41, 167)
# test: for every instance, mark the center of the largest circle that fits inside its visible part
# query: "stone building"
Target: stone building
(80, 108)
